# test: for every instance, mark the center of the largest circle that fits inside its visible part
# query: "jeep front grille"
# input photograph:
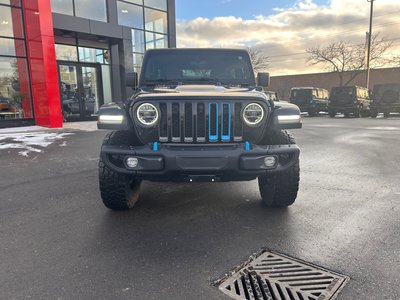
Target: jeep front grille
(200, 122)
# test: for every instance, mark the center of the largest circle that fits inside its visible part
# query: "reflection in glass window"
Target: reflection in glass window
(12, 47)
(106, 80)
(11, 22)
(62, 7)
(137, 40)
(160, 4)
(92, 55)
(130, 15)
(94, 10)
(15, 100)
(154, 40)
(66, 52)
(137, 69)
(11, 2)
(156, 20)
(137, 59)
(140, 2)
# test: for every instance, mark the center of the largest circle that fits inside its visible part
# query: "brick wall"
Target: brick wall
(283, 84)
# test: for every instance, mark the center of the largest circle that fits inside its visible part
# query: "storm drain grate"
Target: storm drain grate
(274, 276)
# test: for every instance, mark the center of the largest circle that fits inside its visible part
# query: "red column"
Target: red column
(42, 62)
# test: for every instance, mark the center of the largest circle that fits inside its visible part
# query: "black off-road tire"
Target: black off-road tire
(373, 113)
(358, 112)
(332, 114)
(365, 113)
(280, 190)
(312, 113)
(118, 191)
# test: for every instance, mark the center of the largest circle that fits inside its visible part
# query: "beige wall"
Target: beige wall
(283, 84)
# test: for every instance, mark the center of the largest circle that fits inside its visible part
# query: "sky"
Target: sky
(283, 30)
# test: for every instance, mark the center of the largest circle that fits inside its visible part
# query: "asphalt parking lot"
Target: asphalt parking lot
(58, 241)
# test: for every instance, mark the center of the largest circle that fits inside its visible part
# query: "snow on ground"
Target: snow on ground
(35, 138)
(29, 141)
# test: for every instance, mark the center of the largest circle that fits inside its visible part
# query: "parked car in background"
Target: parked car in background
(348, 100)
(386, 99)
(310, 99)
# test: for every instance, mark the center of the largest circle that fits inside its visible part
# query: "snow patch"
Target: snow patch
(30, 141)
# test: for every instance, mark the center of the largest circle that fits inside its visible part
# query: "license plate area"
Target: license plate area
(202, 178)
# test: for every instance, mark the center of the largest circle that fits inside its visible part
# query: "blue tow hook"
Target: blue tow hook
(155, 146)
(247, 146)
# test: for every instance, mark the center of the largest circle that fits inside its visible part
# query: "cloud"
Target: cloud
(286, 34)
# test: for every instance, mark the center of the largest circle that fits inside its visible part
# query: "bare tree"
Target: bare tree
(258, 59)
(341, 57)
(395, 61)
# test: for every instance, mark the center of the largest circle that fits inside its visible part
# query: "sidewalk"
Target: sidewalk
(85, 126)
(34, 139)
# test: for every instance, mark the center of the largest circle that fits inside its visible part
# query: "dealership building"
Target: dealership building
(62, 59)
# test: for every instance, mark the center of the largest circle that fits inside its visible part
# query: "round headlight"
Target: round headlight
(147, 114)
(253, 114)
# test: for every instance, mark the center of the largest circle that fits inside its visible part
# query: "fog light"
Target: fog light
(269, 161)
(132, 162)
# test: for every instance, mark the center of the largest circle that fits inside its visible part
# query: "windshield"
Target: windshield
(347, 92)
(301, 95)
(205, 66)
(380, 90)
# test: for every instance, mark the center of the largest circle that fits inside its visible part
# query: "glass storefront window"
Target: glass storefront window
(62, 7)
(137, 59)
(66, 52)
(11, 22)
(130, 15)
(12, 47)
(140, 2)
(137, 40)
(15, 99)
(156, 20)
(92, 55)
(94, 10)
(106, 81)
(11, 2)
(154, 40)
(160, 4)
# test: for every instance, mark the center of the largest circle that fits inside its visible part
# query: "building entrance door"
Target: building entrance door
(80, 89)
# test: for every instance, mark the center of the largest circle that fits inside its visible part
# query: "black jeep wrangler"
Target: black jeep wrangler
(386, 99)
(349, 100)
(198, 115)
(310, 99)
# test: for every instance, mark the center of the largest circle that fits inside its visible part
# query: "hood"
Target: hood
(200, 91)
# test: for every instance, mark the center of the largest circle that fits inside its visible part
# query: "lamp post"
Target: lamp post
(369, 39)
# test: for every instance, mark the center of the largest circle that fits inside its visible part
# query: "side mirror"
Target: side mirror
(263, 79)
(132, 79)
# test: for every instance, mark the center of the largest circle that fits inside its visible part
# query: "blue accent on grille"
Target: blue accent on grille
(247, 146)
(227, 137)
(155, 146)
(212, 137)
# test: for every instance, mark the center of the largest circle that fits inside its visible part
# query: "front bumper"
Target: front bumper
(190, 162)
